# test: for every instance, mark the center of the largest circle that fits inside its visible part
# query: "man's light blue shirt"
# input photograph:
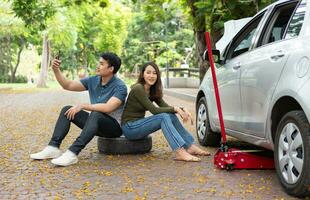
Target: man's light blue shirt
(99, 93)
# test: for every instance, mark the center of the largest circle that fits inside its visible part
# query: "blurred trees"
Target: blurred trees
(84, 31)
(180, 24)
(13, 38)
(166, 31)
(158, 31)
(35, 14)
(79, 29)
(210, 15)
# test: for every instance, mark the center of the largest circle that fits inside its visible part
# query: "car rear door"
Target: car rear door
(228, 75)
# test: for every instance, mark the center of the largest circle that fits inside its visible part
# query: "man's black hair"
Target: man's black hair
(113, 60)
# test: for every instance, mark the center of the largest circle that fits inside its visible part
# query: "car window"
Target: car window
(296, 21)
(243, 41)
(277, 23)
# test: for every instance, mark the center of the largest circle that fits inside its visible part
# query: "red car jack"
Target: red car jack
(231, 158)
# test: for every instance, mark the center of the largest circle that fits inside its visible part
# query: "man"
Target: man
(107, 96)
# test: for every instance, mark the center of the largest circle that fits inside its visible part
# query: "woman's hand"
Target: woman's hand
(182, 114)
(70, 113)
(189, 115)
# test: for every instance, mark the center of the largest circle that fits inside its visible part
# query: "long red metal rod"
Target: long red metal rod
(217, 96)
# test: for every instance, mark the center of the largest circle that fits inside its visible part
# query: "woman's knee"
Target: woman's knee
(169, 116)
(164, 115)
(172, 115)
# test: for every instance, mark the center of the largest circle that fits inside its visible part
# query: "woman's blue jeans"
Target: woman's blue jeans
(174, 132)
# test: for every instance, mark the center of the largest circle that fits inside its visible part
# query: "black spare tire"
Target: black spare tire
(121, 145)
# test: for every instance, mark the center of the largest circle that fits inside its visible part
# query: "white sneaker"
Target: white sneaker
(46, 153)
(66, 159)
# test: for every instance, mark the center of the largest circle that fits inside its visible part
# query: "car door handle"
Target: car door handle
(237, 66)
(278, 55)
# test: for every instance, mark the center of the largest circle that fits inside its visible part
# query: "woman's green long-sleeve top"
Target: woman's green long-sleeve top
(138, 102)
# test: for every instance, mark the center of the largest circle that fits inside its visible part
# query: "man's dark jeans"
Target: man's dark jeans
(95, 123)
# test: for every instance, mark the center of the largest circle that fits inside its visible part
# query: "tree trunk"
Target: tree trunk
(201, 47)
(199, 25)
(257, 2)
(13, 72)
(10, 52)
(44, 62)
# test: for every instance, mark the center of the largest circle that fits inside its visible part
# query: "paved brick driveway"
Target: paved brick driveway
(26, 123)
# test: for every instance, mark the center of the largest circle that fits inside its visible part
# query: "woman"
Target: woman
(147, 90)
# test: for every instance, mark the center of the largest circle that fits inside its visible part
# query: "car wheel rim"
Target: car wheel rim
(291, 153)
(201, 121)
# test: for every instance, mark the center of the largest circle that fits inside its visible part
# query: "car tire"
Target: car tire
(205, 135)
(292, 153)
(121, 145)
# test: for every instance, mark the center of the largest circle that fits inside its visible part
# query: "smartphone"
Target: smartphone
(58, 55)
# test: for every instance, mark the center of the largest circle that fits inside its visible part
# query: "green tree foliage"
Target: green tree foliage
(140, 30)
(13, 37)
(80, 29)
(218, 12)
(210, 15)
(92, 30)
(113, 28)
(180, 17)
(157, 33)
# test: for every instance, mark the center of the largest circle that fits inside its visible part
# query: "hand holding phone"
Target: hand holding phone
(56, 61)
(58, 55)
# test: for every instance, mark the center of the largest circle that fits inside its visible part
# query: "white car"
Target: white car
(264, 83)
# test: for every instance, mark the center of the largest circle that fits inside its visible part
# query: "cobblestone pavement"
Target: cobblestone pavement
(27, 121)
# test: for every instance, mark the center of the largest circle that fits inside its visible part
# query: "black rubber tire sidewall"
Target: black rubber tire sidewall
(121, 145)
(210, 138)
(301, 187)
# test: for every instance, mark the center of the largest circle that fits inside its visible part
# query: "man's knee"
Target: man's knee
(96, 115)
(65, 109)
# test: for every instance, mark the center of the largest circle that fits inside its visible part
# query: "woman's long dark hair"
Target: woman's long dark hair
(156, 90)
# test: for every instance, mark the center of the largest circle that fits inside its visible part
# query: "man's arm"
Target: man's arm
(65, 83)
(108, 107)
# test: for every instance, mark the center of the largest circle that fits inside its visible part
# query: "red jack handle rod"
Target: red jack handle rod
(217, 96)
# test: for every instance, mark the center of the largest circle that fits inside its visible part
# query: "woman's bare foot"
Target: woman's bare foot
(182, 155)
(194, 150)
